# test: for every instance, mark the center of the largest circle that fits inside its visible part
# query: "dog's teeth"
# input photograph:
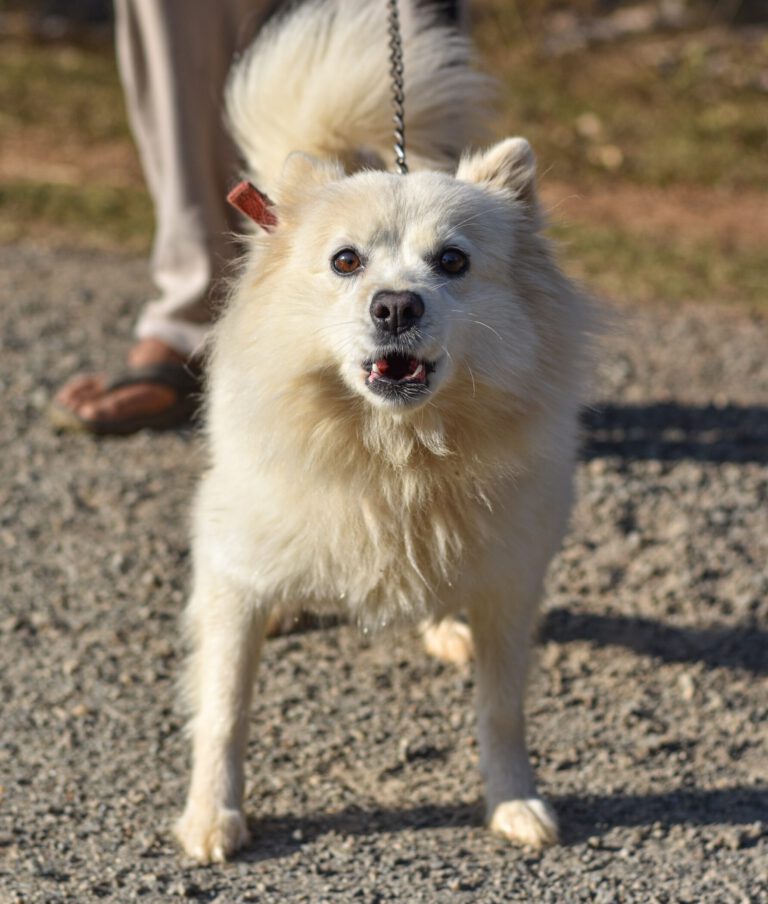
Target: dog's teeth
(375, 373)
(416, 375)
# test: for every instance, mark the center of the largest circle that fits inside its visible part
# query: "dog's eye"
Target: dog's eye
(346, 262)
(453, 262)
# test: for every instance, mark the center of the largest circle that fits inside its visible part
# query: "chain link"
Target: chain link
(398, 89)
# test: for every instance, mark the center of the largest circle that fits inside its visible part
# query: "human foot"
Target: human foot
(157, 390)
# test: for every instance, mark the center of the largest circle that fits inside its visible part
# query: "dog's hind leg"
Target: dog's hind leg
(449, 640)
(501, 632)
(227, 632)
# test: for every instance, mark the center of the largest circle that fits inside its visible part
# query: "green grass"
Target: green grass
(624, 265)
(678, 112)
(67, 96)
(62, 88)
(99, 216)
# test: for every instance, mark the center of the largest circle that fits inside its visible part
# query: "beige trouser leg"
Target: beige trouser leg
(174, 56)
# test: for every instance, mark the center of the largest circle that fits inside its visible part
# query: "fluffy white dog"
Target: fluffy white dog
(394, 389)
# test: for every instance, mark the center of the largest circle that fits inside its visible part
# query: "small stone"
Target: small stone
(687, 686)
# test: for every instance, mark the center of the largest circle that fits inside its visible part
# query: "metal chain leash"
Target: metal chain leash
(398, 90)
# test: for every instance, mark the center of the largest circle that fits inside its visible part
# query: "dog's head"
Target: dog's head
(403, 286)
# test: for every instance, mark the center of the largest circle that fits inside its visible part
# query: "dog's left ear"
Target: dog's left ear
(509, 166)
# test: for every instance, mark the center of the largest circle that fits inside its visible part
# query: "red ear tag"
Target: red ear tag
(250, 201)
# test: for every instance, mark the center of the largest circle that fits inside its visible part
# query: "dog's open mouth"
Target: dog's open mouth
(400, 377)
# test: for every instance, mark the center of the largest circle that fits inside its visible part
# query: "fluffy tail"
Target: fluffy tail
(317, 80)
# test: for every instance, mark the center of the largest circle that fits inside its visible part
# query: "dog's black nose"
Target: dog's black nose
(395, 312)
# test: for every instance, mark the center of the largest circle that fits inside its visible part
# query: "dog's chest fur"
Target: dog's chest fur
(369, 516)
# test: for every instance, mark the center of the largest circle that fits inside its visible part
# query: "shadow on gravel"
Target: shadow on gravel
(581, 817)
(725, 647)
(669, 431)
(282, 836)
(584, 817)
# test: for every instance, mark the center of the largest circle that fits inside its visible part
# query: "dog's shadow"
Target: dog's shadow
(589, 815)
(725, 646)
(581, 817)
(281, 836)
(672, 431)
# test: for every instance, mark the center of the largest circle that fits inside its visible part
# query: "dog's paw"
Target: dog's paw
(450, 640)
(211, 835)
(530, 822)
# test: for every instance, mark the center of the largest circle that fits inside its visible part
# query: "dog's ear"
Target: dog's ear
(509, 166)
(301, 170)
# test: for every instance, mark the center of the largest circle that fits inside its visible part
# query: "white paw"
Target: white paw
(210, 834)
(450, 640)
(530, 822)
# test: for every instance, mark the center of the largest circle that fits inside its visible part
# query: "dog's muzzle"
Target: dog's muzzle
(396, 372)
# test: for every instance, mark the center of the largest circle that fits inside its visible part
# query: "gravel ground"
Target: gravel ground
(647, 710)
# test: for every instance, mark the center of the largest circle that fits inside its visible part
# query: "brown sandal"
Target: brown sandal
(184, 378)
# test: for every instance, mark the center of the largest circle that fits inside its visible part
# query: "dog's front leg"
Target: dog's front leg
(501, 633)
(227, 632)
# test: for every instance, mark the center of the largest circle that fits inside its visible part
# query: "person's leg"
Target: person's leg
(174, 56)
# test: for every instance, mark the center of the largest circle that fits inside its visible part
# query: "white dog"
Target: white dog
(394, 389)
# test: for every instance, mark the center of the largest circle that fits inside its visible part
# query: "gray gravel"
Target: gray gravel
(647, 712)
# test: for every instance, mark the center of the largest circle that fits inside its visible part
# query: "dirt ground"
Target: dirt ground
(647, 709)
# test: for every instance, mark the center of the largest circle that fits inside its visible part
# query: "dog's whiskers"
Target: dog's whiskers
(431, 338)
(472, 377)
(435, 287)
(478, 322)
(496, 333)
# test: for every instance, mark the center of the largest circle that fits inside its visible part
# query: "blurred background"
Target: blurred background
(650, 121)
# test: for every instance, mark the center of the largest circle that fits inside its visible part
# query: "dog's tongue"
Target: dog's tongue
(398, 367)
